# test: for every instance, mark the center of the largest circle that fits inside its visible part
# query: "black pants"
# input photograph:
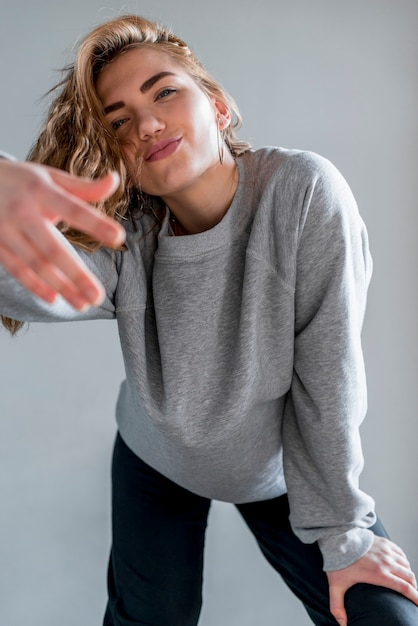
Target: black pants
(155, 569)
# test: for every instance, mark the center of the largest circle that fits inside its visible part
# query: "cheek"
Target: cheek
(204, 130)
(199, 114)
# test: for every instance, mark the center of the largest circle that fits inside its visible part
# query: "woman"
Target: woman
(240, 295)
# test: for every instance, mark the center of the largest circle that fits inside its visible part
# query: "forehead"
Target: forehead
(137, 64)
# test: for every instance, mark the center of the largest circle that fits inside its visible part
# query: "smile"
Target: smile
(162, 149)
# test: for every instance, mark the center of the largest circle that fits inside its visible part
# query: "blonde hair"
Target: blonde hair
(76, 137)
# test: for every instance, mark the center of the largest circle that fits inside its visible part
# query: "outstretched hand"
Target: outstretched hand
(33, 199)
(385, 564)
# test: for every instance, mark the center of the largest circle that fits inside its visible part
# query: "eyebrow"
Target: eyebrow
(146, 86)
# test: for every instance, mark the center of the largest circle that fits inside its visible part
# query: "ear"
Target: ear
(223, 113)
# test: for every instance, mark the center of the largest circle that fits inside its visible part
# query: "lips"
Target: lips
(162, 149)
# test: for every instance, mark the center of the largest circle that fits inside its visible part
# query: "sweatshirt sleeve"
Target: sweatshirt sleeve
(327, 400)
(20, 304)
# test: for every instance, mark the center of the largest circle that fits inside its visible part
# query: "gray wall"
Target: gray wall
(335, 77)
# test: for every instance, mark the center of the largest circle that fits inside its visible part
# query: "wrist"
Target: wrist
(341, 551)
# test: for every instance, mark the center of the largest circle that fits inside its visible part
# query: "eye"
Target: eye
(118, 123)
(165, 92)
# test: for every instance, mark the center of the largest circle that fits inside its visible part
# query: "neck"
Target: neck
(203, 205)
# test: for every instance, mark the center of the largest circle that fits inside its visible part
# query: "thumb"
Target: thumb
(86, 189)
(336, 605)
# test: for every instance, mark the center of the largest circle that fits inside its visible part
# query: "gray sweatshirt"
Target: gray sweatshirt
(244, 370)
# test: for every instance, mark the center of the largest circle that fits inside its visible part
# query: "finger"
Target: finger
(336, 597)
(90, 190)
(406, 574)
(62, 255)
(56, 265)
(67, 207)
(42, 282)
(75, 281)
(25, 276)
(86, 219)
(401, 586)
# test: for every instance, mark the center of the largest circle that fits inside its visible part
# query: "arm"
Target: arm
(33, 199)
(327, 401)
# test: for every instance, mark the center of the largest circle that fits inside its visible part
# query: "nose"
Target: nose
(149, 125)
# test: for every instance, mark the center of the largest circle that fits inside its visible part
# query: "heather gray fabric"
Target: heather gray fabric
(244, 369)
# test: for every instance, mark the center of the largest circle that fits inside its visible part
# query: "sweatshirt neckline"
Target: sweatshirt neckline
(218, 236)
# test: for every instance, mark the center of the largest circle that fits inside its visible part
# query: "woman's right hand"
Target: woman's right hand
(33, 199)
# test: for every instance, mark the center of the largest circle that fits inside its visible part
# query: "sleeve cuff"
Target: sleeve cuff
(342, 550)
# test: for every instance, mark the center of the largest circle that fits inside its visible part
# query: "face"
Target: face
(161, 116)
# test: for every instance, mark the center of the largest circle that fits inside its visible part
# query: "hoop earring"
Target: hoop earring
(220, 140)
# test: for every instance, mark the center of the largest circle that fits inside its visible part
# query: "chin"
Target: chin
(168, 187)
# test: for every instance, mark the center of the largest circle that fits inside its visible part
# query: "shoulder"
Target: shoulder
(307, 173)
(299, 165)
(301, 185)
(294, 179)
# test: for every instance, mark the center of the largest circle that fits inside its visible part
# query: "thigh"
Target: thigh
(156, 562)
(300, 566)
